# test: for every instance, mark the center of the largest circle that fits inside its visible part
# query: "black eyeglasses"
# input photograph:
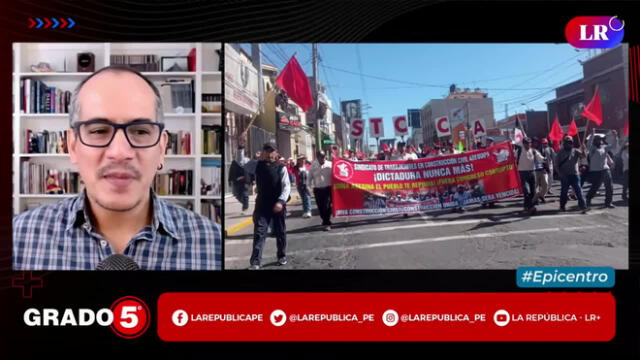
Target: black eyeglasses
(100, 133)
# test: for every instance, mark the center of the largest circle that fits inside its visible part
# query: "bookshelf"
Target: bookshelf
(62, 58)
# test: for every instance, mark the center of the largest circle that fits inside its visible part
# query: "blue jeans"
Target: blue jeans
(306, 199)
(574, 182)
(241, 193)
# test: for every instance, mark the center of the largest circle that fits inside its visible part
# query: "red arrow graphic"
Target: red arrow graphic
(47, 23)
(31, 23)
(63, 23)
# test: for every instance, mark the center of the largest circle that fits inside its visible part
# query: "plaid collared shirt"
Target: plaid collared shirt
(60, 236)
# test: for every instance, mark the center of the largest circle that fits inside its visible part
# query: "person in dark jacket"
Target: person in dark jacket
(303, 186)
(239, 180)
(273, 189)
(567, 160)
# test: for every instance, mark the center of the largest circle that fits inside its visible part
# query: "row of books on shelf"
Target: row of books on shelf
(179, 143)
(175, 182)
(211, 139)
(178, 95)
(142, 63)
(41, 179)
(210, 173)
(38, 98)
(45, 142)
(211, 210)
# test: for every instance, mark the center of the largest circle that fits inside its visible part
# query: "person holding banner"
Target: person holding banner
(526, 156)
(320, 179)
(568, 159)
(599, 167)
(352, 155)
(401, 154)
(274, 189)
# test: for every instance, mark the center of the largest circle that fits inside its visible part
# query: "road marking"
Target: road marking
(430, 223)
(430, 240)
(237, 227)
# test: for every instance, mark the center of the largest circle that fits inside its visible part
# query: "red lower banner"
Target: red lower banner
(386, 317)
(427, 184)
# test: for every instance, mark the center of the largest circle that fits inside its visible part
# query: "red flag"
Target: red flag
(626, 128)
(294, 82)
(593, 111)
(556, 132)
(573, 129)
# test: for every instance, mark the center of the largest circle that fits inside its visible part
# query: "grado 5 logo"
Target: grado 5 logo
(594, 32)
(128, 317)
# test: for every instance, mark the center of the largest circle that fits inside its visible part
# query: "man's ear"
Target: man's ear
(164, 140)
(72, 142)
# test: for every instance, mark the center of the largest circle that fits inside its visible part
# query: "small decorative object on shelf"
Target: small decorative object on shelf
(53, 187)
(174, 63)
(86, 62)
(210, 181)
(42, 67)
(211, 103)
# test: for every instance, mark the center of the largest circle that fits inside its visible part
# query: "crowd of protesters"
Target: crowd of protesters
(537, 162)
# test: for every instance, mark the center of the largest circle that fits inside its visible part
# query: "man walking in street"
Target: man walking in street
(543, 172)
(320, 180)
(273, 193)
(238, 178)
(250, 171)
(599, 168)
(550, 155)
(526, 157)
(302, 184)
(567, 160)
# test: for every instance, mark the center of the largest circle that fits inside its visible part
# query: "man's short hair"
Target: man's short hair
(74, 106)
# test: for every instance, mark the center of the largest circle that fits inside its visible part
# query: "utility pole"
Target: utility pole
(315, 107)
(466, 110)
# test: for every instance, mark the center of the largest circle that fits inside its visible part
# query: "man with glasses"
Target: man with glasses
(117, 212)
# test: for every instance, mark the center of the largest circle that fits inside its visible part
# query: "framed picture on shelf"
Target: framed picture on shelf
(174, 63)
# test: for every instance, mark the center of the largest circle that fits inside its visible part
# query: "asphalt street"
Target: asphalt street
(481, 238)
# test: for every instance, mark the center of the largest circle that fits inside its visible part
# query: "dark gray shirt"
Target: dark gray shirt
(567, 161)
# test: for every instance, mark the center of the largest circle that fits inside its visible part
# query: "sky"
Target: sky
(391, 78)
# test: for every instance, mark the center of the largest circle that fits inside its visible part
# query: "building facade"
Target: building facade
(609, 73)
(478, 105)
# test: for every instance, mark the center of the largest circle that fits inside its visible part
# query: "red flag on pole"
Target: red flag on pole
(294, 82)
(593, 111)
(573, 128)
(556, 132)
